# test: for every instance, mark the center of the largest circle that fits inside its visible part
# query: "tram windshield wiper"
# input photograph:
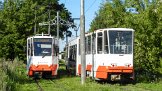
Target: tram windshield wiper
(44, 53)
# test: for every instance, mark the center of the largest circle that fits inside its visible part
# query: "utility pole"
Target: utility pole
(66, 60)
(82, 42)
(93, 51)
(58, 25)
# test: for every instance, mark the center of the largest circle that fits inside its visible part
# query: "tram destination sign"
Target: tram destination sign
(42, 39)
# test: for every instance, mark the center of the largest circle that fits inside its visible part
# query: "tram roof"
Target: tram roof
(41, 36)
(115, 29)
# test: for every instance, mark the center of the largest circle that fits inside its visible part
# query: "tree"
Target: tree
(17, 23)
(109, 15)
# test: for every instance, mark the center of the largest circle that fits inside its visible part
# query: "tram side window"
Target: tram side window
(86, 45)
(56, 48)
(29, 48)
(79, 46)
(94, 43)
(75, 48)
(89, 45)
(72, 53)
(105, 42)
(99, 43)
(32, 49)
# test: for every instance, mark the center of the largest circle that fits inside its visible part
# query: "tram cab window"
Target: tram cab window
(105, 42)
(120, 42)
(99, 43)
(42, 47)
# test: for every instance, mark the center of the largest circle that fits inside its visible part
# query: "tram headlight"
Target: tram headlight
(127, 65)
(113, 64)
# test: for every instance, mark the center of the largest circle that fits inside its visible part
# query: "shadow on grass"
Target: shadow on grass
(63, 72)
(140, 78)
(121, 83)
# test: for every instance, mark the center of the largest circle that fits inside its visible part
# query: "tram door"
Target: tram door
(29, 52)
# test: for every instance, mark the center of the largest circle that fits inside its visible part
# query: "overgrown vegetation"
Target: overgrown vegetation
(12, 73)
(16, 80)
(147, 23)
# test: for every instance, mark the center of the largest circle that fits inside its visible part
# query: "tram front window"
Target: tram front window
(120, 42)
(42, 47)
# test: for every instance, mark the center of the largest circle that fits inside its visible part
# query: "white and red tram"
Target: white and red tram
(42, 59)
(109, 51)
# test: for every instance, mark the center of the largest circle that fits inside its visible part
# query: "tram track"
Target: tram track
(38, 85)
(59, 85)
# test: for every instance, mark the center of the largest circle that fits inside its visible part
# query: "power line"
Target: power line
(90, 6)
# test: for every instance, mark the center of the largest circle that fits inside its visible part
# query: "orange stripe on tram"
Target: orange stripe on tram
(102, 71)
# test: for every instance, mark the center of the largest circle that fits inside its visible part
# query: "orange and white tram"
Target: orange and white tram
(42, 59)
(109, 54)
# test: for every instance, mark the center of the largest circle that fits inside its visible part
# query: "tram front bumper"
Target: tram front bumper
(104, 71)
(42, 68)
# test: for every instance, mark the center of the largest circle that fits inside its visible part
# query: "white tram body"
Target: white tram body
(109, 54)
(42, 59)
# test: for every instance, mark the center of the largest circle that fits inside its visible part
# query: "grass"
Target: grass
(65, 82)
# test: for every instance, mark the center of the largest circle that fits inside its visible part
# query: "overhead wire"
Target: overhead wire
(90, 6)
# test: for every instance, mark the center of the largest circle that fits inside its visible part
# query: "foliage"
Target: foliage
(12, 73)
(17, 20)
(147, 26)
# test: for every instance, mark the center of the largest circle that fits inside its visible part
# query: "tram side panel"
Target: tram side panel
(78, 61)
(88, 52)
(55, 60)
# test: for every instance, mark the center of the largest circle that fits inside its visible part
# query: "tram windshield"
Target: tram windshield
(42, 47)
(120, 42)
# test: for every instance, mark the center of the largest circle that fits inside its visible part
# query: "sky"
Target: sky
(91, 6)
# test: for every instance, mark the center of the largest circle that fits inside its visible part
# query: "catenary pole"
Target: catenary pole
(35, 26)
(82, 42)
(58, 30)
(49, 27)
